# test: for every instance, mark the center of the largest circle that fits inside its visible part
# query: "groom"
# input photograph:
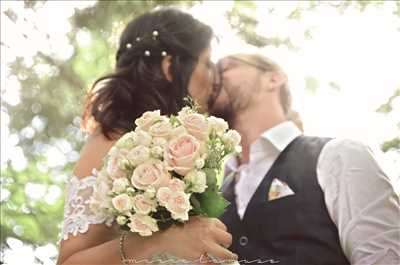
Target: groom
(297, 199)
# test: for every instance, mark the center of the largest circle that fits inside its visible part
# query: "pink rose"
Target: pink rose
(122, 202)
(161, 129)
(138, 155)
(181, 153)
(143, 224)
(196, 125)
(163, 195)
(143, 205)
(147, 119)
(176, 185)
(113, 168)
(179, 206)
(151, 174)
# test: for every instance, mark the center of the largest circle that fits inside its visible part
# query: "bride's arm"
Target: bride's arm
(86, 240)
(108, 252)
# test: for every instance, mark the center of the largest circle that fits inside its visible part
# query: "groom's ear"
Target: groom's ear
(165, 66)
(276, 79)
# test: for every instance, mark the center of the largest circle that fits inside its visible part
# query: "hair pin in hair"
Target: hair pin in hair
(147, 53)
(129, 45)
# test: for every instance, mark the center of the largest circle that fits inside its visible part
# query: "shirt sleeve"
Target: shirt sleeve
(361, 201)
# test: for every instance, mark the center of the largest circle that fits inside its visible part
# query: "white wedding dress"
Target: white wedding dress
(78, 217)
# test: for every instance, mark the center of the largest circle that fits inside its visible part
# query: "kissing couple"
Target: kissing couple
(294, 199)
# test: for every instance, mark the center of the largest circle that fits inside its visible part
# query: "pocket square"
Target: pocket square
(278, 190)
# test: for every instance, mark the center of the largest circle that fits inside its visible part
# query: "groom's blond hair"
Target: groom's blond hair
(284, 93)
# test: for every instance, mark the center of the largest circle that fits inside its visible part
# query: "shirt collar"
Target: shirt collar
(280, 136)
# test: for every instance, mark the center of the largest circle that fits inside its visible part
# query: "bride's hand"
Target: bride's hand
(197, 238)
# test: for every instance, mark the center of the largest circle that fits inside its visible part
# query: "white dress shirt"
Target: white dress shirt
(359, 197)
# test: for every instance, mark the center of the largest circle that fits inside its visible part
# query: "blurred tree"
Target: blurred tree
(392, 144)
(47, 118)
(242, 20)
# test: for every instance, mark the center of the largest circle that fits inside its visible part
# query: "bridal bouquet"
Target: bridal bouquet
(164, 171)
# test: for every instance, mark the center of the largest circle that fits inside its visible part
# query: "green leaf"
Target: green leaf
(387, 107)
(393, 144)
(213, 204)
(334, 86)
(397, 12)
(296, 13)
(312, 84)
(196, 204)
(308, 35)
(248, 5)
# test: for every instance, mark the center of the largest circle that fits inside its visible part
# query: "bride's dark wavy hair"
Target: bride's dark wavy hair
(138, 83)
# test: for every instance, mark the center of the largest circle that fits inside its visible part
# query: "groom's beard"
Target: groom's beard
(225, 112)
(216, 90)
(211, 100)
(238, 100)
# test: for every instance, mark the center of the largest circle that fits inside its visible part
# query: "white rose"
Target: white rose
(127, 141)
(100, 199)
(138, 155)
(238, 149)
(159, 141)
(113, 166)
(178, 131)
(147, 119)
(179, 206)
(143, 224)
(150, 193)
(123, 164)
(163, 195)
(157, 151)
(119, 185)
(184, 112)
(114, 151)
(232, 138)
(122, 202)
(130, 191)
(143, 138)
(161, 128)
(103, 182)
(218, 125)
(143, 205)
(200, 163)
(196, 180)
(149, 174)
(121, 220)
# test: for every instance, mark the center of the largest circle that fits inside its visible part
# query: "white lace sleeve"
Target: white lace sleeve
(77, 213)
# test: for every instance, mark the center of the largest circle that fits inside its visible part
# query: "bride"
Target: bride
(163, 56)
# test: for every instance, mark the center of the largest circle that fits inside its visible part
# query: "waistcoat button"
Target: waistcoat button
(243, 240)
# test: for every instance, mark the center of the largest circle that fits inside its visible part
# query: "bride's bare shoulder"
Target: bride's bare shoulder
(92, 154)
